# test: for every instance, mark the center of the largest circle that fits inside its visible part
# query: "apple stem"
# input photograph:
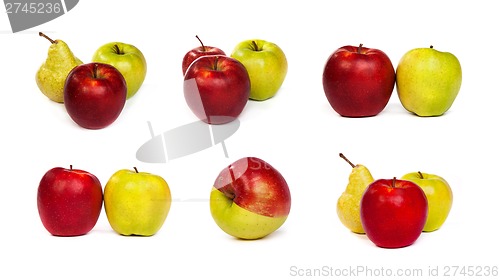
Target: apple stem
(94, 71)
(394, 182)
(421, 175)
(46, 37)
(216, 63)
(359, 48)
(202, 46)
(136, 171)
(431, 47)
(71, 167)
(254, 44)
(117, 49)
(342, 156)
(230, 194)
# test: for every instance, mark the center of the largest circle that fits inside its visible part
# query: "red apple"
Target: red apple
(202, 50)
(216, 88)
(94, 95)
(69, 201)
(393, 212)
(358, 81)
(250, 199)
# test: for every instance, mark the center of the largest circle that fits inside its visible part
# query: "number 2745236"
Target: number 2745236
(33, 8)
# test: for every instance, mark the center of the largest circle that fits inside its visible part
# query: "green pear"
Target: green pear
(348, 204)
(52, 74)
(428, 81)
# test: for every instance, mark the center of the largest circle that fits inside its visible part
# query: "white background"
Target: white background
(297, 132)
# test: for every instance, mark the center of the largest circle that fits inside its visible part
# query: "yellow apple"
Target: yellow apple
(439, 197)
(136, 203)
(266, 64)
(428, 81)
(128, 59)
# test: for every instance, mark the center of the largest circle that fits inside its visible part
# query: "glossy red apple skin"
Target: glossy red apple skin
(222, 87)
(393, 212)
(256, 186)
(94, 95)
(69, 201)
(358, 81)
(197, 52)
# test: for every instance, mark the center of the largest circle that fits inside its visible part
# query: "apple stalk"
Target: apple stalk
(255, 46)
(95, 74)
(359, 48)
(228, 190)
(117, 50)
(216, 63)
(202, 46)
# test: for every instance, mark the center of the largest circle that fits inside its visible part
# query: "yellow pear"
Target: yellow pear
(349, 202)
(52, 74)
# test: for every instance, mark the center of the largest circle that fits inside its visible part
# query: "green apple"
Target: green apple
(266, 64)
(250, 199)
(439, 197)
(128, 59)
(136, 203)
(428, 81)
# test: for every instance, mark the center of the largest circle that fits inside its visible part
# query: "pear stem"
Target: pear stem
(431, 47)
(342, 156)
(202, 46)
(420, 174)
(136, 171)
(359, 48)
(46, 37)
